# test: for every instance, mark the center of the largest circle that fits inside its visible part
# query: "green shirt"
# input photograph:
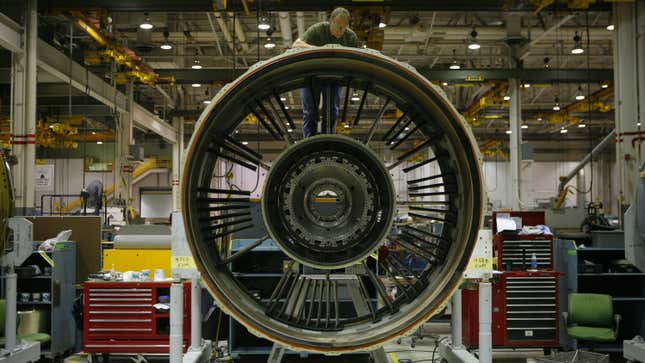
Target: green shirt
(319, 35)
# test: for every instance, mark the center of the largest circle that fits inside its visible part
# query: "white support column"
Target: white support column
(18, 124)
(515, 140)
(126, 141)
(640, 39)
(28, 135)
(626, 60)
(177, 153)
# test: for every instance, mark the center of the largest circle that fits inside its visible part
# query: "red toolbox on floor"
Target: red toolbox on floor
(120, 317)
(526, 311)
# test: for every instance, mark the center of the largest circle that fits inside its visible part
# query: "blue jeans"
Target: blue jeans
(310, 108)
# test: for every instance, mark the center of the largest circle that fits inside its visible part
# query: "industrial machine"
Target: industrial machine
(326, 253)
(15, 247)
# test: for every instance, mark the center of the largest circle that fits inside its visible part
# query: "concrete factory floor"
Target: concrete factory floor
(402, 352)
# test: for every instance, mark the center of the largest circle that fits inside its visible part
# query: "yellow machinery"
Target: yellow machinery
(139, 247)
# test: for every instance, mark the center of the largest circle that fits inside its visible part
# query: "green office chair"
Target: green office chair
(591, 318)
(37, 337)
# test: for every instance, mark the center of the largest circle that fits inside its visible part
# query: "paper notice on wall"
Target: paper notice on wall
(44, 177)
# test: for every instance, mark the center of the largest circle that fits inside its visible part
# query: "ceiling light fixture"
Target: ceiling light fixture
(507, 98)
(582, 126)
(283, 99)
(638, 124)
(355, 97)
(166, 44)
(264, 23)
(346, 126)
(604, 85)
(206, 102)
(539, 118)
(525, 126)
(196, 85)
(289, 130)
(547, 60)
(146, 25)
(286, 107)
(508, 132)
(269, 44)
(577, 47)
(382, 25)
(579, 95)
(196, 64)
(473, 44)
(610, 27)
(245, 142)
(99, 143)
(444, 84)
(556, 107)
(527, 85)
(564, 131)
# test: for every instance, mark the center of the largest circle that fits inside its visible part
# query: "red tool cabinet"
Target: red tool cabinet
(526, 311)
(119, 317)
(515, 251)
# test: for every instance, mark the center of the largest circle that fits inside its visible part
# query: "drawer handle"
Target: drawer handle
(120, 320)
(119, 329)
(119, 312)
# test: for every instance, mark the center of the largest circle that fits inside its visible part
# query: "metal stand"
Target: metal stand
(200, 350)
(176, 322)
(452, 350)
(378, 355)
(16, 351)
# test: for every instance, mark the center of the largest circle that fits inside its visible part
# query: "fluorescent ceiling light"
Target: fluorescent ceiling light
(474, 46)
(269, 44)
(146, 25)
(264, 23)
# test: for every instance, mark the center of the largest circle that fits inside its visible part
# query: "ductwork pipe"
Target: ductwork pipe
(224, 27)
(285, 28)
(300, 23)
(240, 33)
(600, 147)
